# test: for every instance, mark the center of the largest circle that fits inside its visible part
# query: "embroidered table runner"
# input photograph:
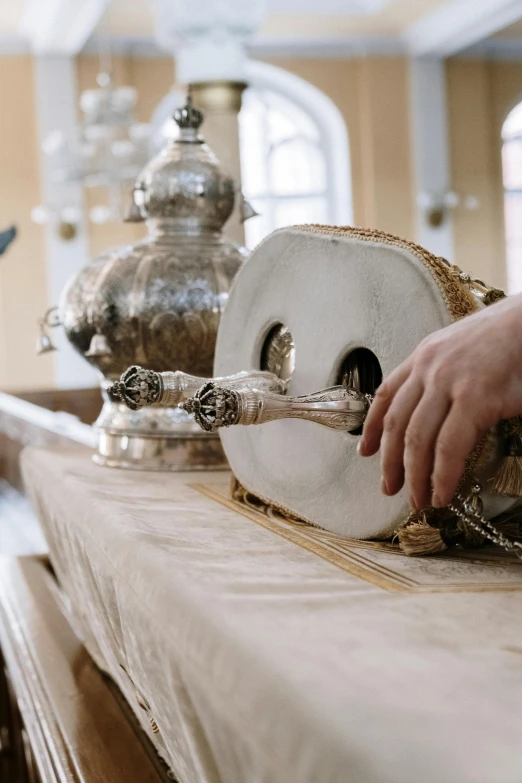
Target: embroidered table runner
(256, 649)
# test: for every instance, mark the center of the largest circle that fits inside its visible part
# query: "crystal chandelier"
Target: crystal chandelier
(107, 149)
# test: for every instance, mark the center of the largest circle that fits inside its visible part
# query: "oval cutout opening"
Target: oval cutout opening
(278, 352)
(361, 370)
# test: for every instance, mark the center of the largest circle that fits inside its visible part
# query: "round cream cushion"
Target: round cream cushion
(335, 293)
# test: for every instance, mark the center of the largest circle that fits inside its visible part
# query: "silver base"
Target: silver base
(139, 452)
(159, 439)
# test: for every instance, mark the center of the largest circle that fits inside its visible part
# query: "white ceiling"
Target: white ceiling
(301, 27)
(297, 18)
(10, 15)
(327, 6)
(394, 18)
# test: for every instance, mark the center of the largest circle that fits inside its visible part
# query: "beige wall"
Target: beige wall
(23, 291)
(372, 95)
(480, 95)
(505, 92)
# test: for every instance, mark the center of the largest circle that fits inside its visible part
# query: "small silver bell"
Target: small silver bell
(246, 210)
(49, 321)
(133, 214)
(99, 346)
(44, 344)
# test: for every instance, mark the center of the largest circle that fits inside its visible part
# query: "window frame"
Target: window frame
(333, 134)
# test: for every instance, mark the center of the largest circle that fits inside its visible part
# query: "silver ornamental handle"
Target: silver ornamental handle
(138, 388)
(216, 406)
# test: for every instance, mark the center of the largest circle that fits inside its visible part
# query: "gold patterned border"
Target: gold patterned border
(381, 562)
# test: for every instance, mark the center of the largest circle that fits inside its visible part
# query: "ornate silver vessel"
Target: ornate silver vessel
(158, 303)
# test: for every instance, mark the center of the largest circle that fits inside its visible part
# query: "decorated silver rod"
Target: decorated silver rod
(215, 406)
(139, 388)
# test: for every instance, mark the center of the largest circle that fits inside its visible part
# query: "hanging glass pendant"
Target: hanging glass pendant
(107, 149)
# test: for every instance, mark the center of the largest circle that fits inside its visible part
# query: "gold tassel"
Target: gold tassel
(493, 295)
(508, 479)
(417, 537)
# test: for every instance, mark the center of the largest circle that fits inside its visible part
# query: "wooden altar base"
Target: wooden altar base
(60, 718)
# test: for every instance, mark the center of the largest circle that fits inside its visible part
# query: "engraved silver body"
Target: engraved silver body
(216, 406)
(158, 302)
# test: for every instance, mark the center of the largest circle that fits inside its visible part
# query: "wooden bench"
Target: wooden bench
(61, 719)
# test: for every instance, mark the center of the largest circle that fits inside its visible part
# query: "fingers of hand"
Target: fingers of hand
(457, 437)
(374, 424)
(419, 445)
(395, 425)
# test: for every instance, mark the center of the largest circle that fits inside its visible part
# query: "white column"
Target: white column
(56, 106)
(432, 176)
(221, 104)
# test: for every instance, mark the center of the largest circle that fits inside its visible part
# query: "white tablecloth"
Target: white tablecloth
(252, 660)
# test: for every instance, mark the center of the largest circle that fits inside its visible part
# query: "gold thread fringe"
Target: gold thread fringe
(417, 537)
(508, 479)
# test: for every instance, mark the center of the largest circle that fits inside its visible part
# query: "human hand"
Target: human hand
(433, 409)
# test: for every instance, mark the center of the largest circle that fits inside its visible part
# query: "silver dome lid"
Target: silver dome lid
(184, 188)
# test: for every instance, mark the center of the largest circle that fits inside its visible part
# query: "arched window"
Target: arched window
(512, 174)
(282, 164)
(294, 153)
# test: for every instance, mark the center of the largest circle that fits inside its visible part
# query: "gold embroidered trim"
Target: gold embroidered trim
(241, 494)
(371, 561)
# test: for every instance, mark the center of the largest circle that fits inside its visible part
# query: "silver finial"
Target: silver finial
(188, 116)
(213, 406)
(137, 388)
